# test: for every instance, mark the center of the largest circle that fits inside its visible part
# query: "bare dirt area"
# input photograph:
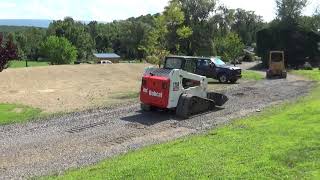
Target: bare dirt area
(84, 138)
(70, 88)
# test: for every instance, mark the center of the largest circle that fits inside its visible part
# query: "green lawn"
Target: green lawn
(281, 143)
(314, 74)
(11, 113)
(252, 75)
(20, 64)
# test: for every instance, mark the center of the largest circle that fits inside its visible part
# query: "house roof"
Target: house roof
(106, 55)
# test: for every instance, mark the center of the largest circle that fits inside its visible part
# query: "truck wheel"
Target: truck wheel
(223, 78)
(268, 76)
(284, 75)
(145, 107)
(233, 81)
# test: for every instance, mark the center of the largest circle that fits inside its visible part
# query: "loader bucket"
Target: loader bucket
(219, 99)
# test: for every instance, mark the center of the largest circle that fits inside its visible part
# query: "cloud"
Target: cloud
(5, 5)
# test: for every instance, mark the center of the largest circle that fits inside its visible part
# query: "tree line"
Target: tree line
(292, 32)
(185, 27)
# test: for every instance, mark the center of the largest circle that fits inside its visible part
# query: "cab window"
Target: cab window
(203, 63)
(276, 57)
(173, 63)
(190, 66)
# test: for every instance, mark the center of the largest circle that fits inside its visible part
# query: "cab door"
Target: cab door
(204, 68)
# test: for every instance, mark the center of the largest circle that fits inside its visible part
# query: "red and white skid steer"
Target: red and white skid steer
(176, 89)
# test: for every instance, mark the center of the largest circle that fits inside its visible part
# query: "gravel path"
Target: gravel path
(79, 139)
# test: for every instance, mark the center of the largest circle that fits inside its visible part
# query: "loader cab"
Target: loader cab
(188, 64)
(276, 65)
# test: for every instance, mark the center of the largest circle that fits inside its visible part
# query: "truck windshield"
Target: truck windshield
(218, 62)
(173, 63)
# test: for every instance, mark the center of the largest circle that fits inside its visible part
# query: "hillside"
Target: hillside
(25, 22)
(7, 29)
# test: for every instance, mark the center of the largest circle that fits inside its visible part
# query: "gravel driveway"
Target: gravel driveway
(79, 139)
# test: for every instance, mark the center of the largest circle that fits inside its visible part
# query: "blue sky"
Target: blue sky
(108, 10)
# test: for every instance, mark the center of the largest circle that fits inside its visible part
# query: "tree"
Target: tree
(197, 13)
(173, 17)
(229, 47)
(222, 21)
(8, 51)
(289, 11)
(28, 42)
(246, 25)
(59, 50)
(77, 33)
(311, 22)
(155, 42)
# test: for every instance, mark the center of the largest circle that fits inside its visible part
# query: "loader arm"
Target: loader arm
(199, 90)
(202, 79)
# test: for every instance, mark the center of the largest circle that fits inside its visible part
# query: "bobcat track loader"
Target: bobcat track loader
(173, 88)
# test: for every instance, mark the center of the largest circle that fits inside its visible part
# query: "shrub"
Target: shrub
(157, 57)
(248, 57)
(229, 47)
(152, 59)
(58, 50)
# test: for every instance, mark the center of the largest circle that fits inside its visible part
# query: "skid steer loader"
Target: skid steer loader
(174, 87)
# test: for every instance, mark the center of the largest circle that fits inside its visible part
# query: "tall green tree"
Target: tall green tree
(229, 47)
(311, 22)
(58, 50)
(155, 43)
(289, 11)
(28, 42)
(246, 25)
(178, 33)
(222, 21)
(197, 13)
(77, 33)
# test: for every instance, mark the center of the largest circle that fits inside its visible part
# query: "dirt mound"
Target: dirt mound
(69, 88)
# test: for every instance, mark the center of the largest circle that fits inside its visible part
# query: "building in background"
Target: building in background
(103, 57)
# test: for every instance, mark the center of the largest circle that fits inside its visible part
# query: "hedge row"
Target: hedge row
(299, 46)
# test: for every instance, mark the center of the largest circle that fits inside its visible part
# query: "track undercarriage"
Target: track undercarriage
(191, 105)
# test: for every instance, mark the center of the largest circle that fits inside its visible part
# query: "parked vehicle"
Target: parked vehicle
(213, 68)
(276, 65)
(105, 62)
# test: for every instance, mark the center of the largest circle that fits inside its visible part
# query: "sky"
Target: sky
(109, 10)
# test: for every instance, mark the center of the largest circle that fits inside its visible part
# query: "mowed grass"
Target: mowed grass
(252, 75)
(312, 74)
(281, 143)
(21, 64)
(11, 113)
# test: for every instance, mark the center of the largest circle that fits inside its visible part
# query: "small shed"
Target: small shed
(114, 58)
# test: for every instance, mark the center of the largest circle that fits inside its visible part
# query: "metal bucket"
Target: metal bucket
(219, 99)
